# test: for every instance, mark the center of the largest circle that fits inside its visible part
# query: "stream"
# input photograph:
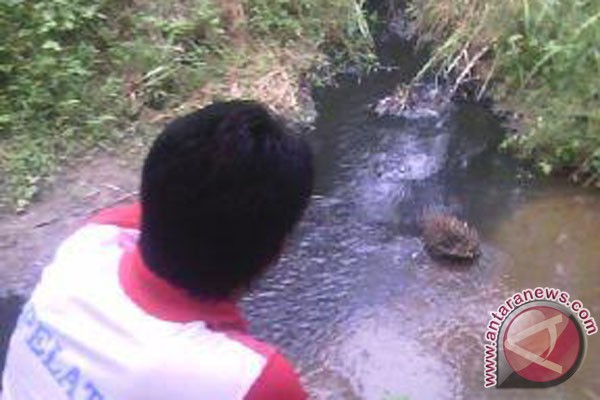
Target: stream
(357, 303)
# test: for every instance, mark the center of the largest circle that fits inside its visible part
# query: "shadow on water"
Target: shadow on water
(359, 305)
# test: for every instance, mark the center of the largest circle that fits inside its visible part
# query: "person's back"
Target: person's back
(140, 302)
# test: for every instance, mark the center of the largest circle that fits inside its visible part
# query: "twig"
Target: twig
(456, 60)
(114, 187)
(45, 223)
(118, 200)
(488, 78)
(469, 67)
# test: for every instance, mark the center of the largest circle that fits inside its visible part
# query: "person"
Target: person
(140, 302)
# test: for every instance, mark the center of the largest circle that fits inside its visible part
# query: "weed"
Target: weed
(76, 73)
(540, 58)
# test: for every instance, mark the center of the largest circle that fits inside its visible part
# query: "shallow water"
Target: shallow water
(357, 303)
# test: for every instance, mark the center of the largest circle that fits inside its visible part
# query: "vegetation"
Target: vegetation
(78, 74)
(538, 57)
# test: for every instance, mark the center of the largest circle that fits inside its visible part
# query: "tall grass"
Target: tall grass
(540, 58)
(78, 74)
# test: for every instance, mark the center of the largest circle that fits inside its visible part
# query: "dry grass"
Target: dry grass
(275, 80)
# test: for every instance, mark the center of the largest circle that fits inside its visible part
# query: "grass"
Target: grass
(539, 58)
(82, 74)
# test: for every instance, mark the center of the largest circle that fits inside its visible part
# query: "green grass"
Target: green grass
(79, 74)
(540, 58)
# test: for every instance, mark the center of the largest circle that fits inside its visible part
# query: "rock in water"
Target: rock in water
(448, 237)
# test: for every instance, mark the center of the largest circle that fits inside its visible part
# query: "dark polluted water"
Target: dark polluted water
(357, 303)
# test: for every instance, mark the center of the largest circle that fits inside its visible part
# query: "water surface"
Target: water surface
(358, 304)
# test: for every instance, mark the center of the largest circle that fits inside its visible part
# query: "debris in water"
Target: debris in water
(414, 102)
(448, 237)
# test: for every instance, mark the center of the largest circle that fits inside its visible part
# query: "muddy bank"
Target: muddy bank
(28, 240)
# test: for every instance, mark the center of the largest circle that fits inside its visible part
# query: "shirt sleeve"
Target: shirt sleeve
(278, 381)
(127, 216)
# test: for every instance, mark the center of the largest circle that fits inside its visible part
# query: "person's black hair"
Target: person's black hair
(221, 189)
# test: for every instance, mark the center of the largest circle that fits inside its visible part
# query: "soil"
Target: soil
(28, 240)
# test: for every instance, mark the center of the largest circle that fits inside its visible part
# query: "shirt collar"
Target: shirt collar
(165, 301)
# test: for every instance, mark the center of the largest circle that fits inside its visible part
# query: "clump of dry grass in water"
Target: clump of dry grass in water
(447, 237)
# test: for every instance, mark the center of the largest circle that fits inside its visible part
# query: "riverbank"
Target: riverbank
(538, 59)
(92, 74)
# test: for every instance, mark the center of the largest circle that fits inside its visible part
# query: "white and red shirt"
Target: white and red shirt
(101, 326)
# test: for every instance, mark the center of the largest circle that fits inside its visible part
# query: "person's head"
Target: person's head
(221, 190)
